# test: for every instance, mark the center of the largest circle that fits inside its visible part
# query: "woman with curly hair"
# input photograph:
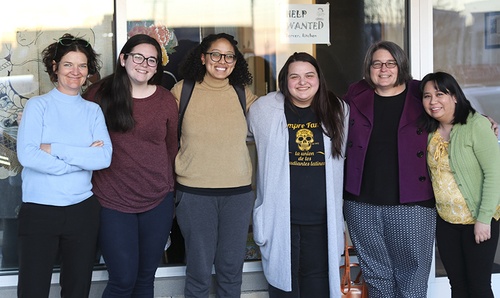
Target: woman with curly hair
(214, 197)
(62, 139)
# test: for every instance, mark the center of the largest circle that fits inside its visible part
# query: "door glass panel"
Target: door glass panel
(25, 30)
(354, 25)
(467, 45)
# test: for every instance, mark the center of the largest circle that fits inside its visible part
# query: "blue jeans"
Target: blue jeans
(132, 245)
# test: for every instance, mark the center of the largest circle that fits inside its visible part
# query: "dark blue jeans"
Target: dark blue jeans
(309, 263)
(132, 245)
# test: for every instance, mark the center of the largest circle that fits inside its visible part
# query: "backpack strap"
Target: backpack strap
(240, 90)
(187, 91)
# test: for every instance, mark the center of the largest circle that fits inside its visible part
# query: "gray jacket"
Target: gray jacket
(271, 217)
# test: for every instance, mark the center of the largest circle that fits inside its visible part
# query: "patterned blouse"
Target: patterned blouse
(450, 203)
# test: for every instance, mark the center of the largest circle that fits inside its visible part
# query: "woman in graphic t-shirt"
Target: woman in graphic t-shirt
(300, 135)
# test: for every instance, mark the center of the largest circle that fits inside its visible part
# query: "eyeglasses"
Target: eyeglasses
(139, 59)
(388, 64)
(66, 41)
(216, 57)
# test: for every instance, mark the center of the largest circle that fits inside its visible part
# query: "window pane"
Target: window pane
(25, 31)
(355, 25)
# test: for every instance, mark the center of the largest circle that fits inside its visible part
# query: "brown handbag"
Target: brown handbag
(351, 288)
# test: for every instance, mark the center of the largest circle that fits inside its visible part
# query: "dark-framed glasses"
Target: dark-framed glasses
(139, 59)
(216, 57)
(388, 64)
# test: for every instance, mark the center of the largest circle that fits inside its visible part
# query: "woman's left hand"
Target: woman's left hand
(482, 232)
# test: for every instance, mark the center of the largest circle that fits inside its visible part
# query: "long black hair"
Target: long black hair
(115, 92)
(193, 69)
(447, 84)
(328, 107)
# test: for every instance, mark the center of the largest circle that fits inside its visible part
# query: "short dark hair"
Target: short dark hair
(447, 84)
(193, 69)
(65, 44)
(399, 55)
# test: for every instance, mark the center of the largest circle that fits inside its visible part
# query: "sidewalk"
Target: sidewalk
(260, 294)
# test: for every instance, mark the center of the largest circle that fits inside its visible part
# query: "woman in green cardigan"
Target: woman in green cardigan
(464, 163)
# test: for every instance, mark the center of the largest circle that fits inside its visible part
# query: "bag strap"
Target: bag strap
(187, 91)
(240, 90)
(345, 283)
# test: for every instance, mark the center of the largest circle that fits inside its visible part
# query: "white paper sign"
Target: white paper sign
(305, 23)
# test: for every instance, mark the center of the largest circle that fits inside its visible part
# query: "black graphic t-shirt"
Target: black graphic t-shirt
(307, 166)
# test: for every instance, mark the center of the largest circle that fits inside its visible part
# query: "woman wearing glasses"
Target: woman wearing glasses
(214, 196)
(62, 138)
(136, 191)
(389, 203)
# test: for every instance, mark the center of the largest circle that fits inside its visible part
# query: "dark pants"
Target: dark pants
(309, 263)
(467, 263)
(132, 245)
(215, 230)
(46, 231)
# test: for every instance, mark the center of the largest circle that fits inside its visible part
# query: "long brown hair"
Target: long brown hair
(328, 107)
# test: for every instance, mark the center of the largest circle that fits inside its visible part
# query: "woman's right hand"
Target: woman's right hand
(45, 147)
(482, 232)
(97, 144)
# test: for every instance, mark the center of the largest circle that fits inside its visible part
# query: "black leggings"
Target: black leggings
(467, 263)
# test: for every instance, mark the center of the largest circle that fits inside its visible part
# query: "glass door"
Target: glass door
(354, 26)
(466, 43)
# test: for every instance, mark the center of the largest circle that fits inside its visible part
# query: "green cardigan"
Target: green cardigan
(475, 162)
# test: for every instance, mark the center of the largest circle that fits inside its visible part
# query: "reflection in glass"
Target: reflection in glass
(23, 35)
(460, 49)
(10, 202)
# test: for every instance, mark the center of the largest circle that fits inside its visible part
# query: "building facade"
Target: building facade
(460, 37)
